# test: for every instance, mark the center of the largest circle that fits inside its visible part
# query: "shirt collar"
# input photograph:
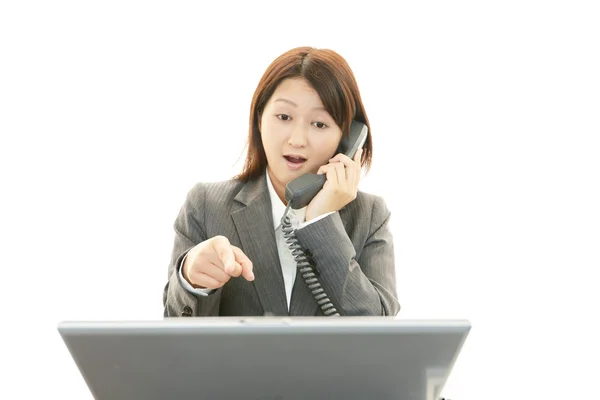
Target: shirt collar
(278, 208)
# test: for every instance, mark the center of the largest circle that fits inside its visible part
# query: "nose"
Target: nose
(298, 135)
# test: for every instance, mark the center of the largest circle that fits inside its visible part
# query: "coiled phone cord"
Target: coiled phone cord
(306, 267)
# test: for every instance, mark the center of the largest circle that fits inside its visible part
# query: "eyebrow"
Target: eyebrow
(296, 105)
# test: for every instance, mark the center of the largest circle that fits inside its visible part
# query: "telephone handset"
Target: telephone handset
(298, 193)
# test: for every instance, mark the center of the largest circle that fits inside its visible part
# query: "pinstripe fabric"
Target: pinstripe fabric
(353, 250)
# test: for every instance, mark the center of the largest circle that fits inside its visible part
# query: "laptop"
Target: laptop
(266, 358)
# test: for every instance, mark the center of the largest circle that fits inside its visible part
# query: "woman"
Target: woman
(230, 256)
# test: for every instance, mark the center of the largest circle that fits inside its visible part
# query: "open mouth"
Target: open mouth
(294, 161)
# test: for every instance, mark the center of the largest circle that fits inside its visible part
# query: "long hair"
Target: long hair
(331, 77)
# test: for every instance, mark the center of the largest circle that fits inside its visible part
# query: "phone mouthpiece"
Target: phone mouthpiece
(300, 191)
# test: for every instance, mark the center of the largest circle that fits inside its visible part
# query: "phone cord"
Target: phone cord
(306, 266)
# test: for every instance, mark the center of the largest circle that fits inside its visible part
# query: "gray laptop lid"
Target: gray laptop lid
(266, 357)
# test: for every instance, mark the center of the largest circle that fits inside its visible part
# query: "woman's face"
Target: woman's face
(298, 134)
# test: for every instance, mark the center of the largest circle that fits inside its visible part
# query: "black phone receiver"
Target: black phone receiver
(300, 191)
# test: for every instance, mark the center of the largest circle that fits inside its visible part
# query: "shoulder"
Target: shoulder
(207, 193)
(367, 211)
(369, 203)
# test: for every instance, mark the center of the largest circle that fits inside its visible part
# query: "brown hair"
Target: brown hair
(331, 77)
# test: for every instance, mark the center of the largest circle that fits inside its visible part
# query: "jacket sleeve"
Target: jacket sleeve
(189, 231)
(363, 285)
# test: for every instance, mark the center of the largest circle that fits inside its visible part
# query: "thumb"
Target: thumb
(244, 262)
(224, 252)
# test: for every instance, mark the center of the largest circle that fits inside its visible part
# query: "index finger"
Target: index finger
(223, 249)
(358, 155)
(244, 261)
(347, 161)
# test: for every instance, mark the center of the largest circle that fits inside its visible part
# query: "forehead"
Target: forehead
(298, 91)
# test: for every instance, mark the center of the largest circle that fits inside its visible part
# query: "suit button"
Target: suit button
(187, 312)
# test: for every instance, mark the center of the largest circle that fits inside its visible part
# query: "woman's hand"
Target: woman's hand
(343, 176)
(210, 264)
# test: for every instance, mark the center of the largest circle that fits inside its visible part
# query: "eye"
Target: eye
(320, 125)
(284, 117)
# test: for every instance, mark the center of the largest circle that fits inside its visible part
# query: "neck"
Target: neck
(277, 185)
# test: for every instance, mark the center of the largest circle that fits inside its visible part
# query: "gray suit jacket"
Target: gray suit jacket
(352, 248)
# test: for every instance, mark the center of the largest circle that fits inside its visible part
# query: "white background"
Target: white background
(486, 123)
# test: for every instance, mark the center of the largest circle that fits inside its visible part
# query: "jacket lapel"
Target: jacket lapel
(302, 302)
(254, 224)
